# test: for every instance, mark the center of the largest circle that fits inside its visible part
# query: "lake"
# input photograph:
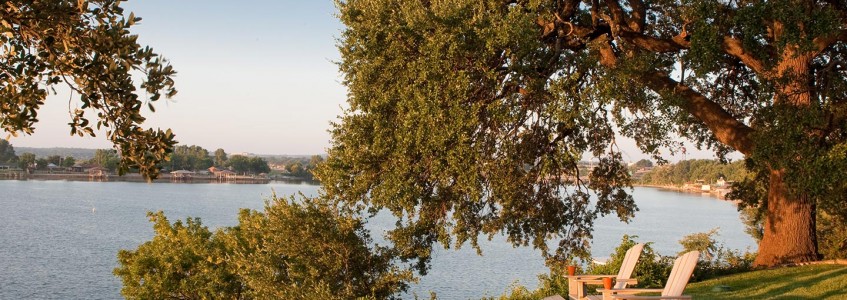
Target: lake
(59, 239)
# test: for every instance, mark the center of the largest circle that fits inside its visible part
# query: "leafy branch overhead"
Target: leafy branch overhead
(471, 117)
(86, 46)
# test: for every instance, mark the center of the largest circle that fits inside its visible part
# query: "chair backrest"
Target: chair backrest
(683, 267)
(628, 265)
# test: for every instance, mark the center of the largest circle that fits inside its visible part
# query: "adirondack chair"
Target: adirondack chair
(683, 267)
(576, 283)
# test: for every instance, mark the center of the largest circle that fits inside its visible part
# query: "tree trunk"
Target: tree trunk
(789, 229)
(789, 235)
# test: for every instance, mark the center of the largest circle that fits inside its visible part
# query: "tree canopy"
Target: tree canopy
(26, 160)
(105, 158)
(190, 158)
(688, 171)
(220, 157)
(244, 164)
(469, 117)
(7, 153)
(87, 46)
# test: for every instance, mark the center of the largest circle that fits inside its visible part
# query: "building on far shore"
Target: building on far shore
(182, 175)
(98, 173)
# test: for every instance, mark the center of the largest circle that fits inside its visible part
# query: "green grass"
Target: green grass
(806, 282)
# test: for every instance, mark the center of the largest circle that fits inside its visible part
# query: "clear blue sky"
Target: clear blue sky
(253, 76)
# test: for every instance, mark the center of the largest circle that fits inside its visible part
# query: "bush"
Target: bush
(651, 270)
(182, 261)
(832, 235)
(715, 259)
(306, 250)
(295, 249)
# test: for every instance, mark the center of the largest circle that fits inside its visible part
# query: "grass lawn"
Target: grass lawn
(806, 282)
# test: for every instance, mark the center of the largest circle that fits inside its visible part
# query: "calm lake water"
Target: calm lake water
(54, 244)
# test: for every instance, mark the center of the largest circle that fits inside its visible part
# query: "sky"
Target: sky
(253, 76)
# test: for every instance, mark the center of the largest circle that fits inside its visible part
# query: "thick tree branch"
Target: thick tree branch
(595, 12)
(568, 9)
(608, 57)
(823, 42)
(638, 15)
(733, 46)
(653, 44)
(727, 129)
(618, 15)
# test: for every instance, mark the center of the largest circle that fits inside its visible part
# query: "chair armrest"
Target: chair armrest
(633, 297)
(590, 279)
(598, 278)
(599, 281)
(629, 291)
(589, 276)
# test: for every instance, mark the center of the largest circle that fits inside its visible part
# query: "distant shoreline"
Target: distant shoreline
(714, 193)
(163, 178)
(168, 178)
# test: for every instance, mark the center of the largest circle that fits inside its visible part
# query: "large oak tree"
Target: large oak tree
(86, 46)
(469, 117)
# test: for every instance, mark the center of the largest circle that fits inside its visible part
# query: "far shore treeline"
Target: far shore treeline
(687, 171)
(190, 158)
(196, 158)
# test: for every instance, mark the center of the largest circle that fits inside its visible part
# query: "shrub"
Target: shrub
(304, 249)
(651, 270)
(832, 235)
(715, 259)
(295, 249)
(182, 261)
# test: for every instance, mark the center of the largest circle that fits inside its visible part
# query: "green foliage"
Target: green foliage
(295, 249)
(106, 158)
(715, 259)
(26, 160)
(549, 284)
(687, 171)
(68, 161)
(832, 236)
(644, 163)
(651, 270)
(244, 164)
(7, 153)
(303, 168)
(296, 169)
(220, 157)
(87, 46)
(751, 217)
(182, 261)
(41, 163)
(458, 126)
(701, 241)
(467, 117)
(190, 158)
(303, 249)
